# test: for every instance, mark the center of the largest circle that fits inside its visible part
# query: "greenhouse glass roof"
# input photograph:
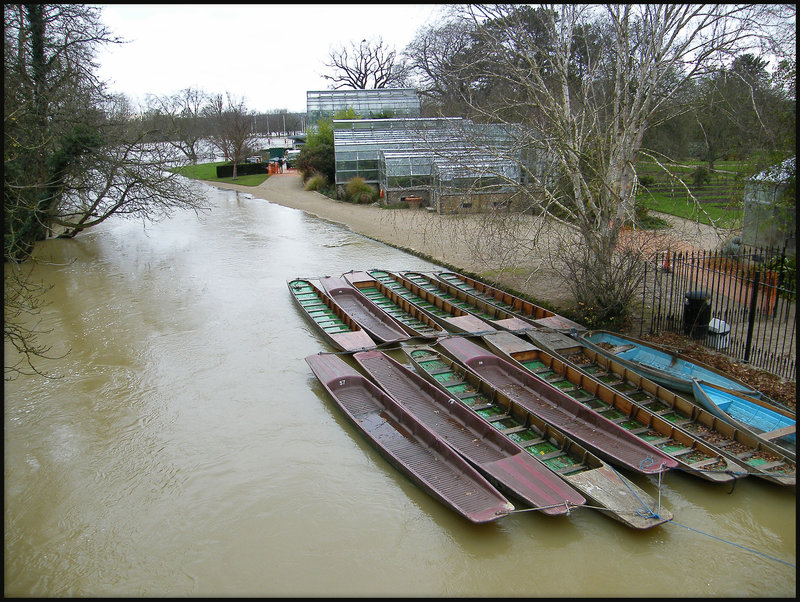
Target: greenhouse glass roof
(402, 102)
(389, 151)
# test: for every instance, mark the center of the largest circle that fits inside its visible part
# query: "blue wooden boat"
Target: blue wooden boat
(668, 369)
(407, 444)
(763, 459)
(747, 413)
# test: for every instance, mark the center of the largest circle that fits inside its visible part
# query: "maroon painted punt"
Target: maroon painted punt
(447, 315)
(602, 436)
(502, 461)
(407, 444)
(366, 314)
(414, 321)
(489, 312)
(333, 323)
(490, 294)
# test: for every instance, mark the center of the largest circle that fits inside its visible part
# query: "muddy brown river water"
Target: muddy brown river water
(183, 447)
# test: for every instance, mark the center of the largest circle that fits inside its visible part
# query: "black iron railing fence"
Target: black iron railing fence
(743, 305)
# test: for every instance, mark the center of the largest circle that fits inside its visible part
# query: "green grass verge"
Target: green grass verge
(208, 172)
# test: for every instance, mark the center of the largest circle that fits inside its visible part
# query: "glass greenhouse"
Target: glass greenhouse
(397, 102)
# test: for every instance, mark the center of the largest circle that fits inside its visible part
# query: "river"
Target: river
(182, 447)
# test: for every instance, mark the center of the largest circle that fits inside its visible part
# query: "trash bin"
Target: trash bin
(696, 314)
(718, 334)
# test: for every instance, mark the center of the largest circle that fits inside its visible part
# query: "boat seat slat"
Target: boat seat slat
(778, 433)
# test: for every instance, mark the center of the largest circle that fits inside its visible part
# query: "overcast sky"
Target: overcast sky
(269, 54)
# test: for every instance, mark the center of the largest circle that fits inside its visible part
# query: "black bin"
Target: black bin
(696, 314)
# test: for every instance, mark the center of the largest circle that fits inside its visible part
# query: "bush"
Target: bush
(701, 177)
(647, 181)
(317, 182)
(358, 191)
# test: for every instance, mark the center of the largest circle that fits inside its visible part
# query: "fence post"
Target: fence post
(752, 317)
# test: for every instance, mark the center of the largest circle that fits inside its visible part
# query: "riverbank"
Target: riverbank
(458, 241)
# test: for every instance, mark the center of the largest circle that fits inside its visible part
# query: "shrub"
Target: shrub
(647, 181)
(317, 182)
(701, 177)
(358, 191)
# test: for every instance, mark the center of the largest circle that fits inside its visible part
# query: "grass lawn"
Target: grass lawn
(208, 171)
(720, 198)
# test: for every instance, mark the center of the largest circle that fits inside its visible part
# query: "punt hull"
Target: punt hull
(763, 459)
(494, 315)
(447, 315)
(379, 325)
(612, 494)
(747, 413)
(658, 364)
(691, 453)
(525, 309)
(406, 444)
(412, 319)
(330, 320)
(501, 461)
(603, 437)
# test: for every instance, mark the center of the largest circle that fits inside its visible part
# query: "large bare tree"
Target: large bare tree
(585, 82)
(366, 65)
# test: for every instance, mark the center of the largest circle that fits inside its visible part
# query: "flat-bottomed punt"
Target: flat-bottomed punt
(658, 364)
(607, 490)
(378, 324)
(598, 434)
(448, 316)
(501, 461)
(415, 321)
(410, 447)
(534, 313)
(749, 413)
(488, 312)
(763, 459)
(691, 453)
(332, 321)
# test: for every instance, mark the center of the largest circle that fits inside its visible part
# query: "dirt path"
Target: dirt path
(459, 241)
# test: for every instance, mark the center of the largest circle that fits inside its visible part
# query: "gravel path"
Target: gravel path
(464, 241)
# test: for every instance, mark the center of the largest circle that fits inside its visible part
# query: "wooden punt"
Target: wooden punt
(763, 459)
(332, 321)
(407, 444)
(607, 490)
(494, 315)
(447, 315)
(749, 414)
(500, 460)
(415, 321)
(598, 434)
(691, 453)
(511, 303)
(378, 324)
(657, 363)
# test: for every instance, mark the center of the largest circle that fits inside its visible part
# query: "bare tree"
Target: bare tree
(183, 113)
(232, 126)
(366, 65)
(585, 82)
